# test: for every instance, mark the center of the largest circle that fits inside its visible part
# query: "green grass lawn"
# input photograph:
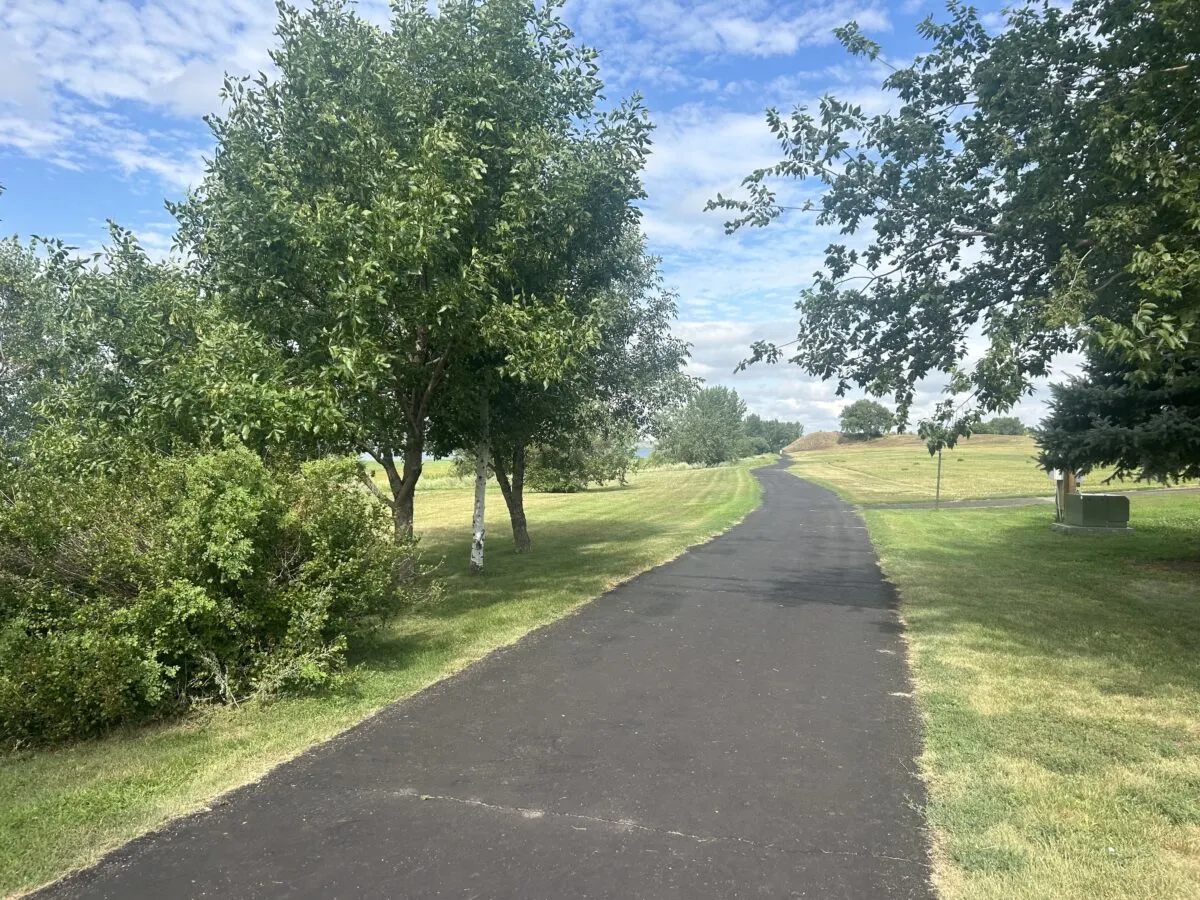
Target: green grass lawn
(1058, 679)
(436, 475)
(899, 469)
(63, 809)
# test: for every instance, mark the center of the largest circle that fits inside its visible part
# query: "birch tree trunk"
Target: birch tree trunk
(481, 473)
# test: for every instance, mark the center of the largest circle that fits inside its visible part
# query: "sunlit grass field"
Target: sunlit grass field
(63, 809)
(1058, 680)
(436, 475)
(899, 469)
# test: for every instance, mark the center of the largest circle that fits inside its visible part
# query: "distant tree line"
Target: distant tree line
(865, 420)
(1001, 425)
(713, 428)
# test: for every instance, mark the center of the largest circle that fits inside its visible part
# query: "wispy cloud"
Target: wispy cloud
(78, 78)
(111, 51)
(672, 43)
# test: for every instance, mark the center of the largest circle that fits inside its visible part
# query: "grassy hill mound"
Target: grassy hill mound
(898, 468)
(824, 440)
(818, 440)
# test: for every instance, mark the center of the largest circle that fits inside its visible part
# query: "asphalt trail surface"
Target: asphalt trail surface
(732, 724)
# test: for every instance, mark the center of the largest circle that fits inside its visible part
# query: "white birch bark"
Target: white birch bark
(481, 471)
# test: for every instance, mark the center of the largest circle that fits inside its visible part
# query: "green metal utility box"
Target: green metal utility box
(1097, 511)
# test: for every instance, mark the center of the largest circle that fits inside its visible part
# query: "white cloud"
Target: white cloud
(700, 151)
(783, 391)
(20, 83)
(656, 41)
(79, 79)
(177, 172)
(778, 391)
(31, 136)
(103, 51)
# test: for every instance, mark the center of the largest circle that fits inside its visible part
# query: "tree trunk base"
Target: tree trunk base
(521, 540)
(514, 497)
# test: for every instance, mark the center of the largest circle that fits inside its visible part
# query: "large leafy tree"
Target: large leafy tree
(707, 430)
(155, 361)
(27, 307)
(866, 419)
(124, 350)
(634, 372)
(577, 239)
(1039, 185)
(365, 201)
(629, 374)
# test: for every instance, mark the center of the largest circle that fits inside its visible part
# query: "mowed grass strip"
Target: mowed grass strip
(63, 809)
(899, 468)
(1058, 678)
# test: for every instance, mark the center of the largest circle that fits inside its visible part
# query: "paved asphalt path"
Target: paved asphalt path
(732, 724)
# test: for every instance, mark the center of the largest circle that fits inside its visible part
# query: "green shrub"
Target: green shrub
(598, 457)
(753, 446)
(206, 576)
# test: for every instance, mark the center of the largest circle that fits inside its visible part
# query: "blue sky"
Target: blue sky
(101, 104)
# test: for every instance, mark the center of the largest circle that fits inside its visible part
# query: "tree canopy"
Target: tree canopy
(705, 431)
(770, 435)
(1038, 185)
(27, 308)
(1000, 425)
(611, 397)
(132, 352)
(866, 419)
(1146, 428)
(369, 203)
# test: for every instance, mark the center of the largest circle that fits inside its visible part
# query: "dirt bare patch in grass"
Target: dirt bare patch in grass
(1179, 566)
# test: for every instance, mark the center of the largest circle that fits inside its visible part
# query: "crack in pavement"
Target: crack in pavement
(631, 825)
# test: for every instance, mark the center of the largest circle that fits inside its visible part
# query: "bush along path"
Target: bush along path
(734, 723)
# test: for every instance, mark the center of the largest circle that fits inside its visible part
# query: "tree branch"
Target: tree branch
(370, 482)
(1109, 280)
(435, 379)
(954, 236)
